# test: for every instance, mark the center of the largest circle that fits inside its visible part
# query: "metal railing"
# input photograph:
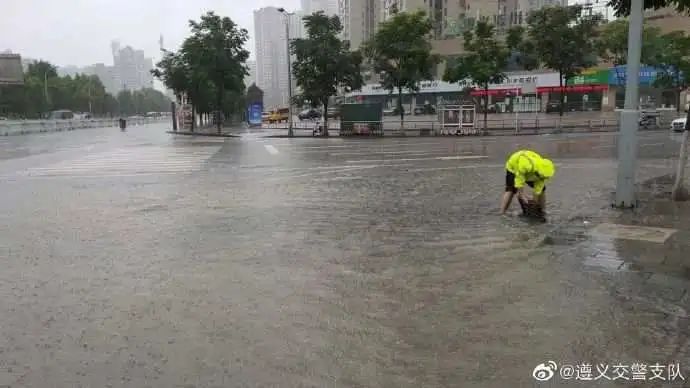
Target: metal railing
(525, 125)
(23, 127)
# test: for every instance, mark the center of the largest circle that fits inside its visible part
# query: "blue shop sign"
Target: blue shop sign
(618, 75)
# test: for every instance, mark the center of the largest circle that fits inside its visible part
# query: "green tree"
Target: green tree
(673, 63)
(401, 53)
(216, 46)
(563, 40)
(324, 64)
(612, 45)
(209, 66)
(483, 63)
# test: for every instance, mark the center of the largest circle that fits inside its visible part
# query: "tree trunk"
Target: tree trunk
(219, 102)
(193, 117)
(561, 94)
(325, 118)
(679, 192)
(486, 107)
(400, 107)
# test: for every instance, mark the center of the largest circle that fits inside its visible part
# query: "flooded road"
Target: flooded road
(152, 261)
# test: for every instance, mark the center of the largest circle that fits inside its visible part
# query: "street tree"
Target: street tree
(324, 64)
(209, 66)
(44, 90)
(564, 40)
(216, 47)
(173, 71)
(401, 53)
(612, 45)
(483, 63)
(673, 63)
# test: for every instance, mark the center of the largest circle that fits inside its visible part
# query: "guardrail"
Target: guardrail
(8, 128)
(508, 126)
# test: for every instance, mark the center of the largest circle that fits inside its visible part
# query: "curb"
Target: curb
(201, 134)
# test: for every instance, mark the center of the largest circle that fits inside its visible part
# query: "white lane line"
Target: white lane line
(322, 173)
(414, 159)
(471, 166)
(652, 144)
(341, 178)
(271, 149)
(417, 152)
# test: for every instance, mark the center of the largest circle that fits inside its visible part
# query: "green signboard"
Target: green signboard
(590, 77)
(361, 119)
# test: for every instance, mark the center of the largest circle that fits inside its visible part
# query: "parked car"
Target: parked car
(553, 107)
(309, 114)
(678, 125)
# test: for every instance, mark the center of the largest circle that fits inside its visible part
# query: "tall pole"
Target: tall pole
(629, 124)
(289, 69)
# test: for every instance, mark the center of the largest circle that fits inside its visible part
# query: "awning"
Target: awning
(573, 89)
(495, 92)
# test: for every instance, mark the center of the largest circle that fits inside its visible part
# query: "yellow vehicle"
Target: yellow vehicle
(279, 115)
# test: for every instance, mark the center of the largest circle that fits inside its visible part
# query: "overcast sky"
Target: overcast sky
(79, 32)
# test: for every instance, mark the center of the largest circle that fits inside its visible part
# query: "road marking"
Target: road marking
(323, 172)
(416, 152)
(132, 161)
(473, 157)
(471, 166)
(271, 149)
(652, 144)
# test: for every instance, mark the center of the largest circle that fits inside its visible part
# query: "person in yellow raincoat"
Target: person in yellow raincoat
(530, 168)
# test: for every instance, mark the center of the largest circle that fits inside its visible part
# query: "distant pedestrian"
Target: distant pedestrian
(527, 167)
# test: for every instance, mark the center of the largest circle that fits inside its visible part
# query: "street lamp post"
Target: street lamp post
(629, 119)
(289, 67)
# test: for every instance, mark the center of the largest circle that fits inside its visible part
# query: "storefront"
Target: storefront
(649, 94)
(583, 92)
(517, 93)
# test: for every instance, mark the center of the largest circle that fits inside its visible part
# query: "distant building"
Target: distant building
(251, 78)
(360, 19)
(667, 19)
(329, 7)
(105, 74)
(271, 53)
(131, 68)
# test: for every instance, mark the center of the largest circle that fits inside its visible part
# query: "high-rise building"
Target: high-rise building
(271, 53)
(360, 19)
(329, 7)
(131, 68)
(105, 74)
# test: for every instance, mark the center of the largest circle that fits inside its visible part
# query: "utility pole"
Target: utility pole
(289, 67)
(629, 124)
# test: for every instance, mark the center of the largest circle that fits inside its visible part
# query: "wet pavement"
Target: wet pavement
(140, 259)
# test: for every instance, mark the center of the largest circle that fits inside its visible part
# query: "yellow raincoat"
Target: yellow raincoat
(529, 166)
